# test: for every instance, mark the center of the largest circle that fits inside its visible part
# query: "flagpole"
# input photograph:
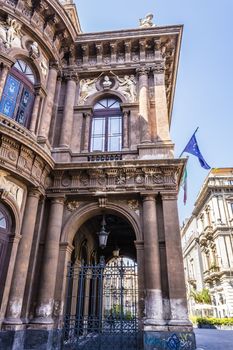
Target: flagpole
(190, 139)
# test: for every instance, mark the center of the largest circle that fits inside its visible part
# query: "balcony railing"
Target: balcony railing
(104, 157)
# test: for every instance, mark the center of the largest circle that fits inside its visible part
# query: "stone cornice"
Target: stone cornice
(128, 33)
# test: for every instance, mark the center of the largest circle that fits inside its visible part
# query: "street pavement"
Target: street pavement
(214, 339)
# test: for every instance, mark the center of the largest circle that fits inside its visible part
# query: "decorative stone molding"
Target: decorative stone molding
(14, 190)
(133, 204)
(102, 202)
(133, 178)
(72, 206)
(30, 162)
(158, 67)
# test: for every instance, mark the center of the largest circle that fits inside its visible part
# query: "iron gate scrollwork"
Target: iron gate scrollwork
(101, 307)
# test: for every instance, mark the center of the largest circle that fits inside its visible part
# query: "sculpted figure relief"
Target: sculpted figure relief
(34, 50)
(87, 88)
(146, 22)
(10, 33)
(107, 83)
(44, 67)
(127, 86)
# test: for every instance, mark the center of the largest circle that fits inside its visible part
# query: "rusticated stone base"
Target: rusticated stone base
(30, 339)
(169, 341)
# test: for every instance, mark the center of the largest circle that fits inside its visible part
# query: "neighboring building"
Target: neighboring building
(207, 242)
(86, 154)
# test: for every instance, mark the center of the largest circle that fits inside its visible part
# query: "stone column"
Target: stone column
(48, 105)
(44, 311)
(144, 104)
(3, 77)
(15, 300)
(125, 130)
(153, 298)
(35, 111)
(141, 278)
(161, 108)
(67, 123)
(175, 267)
(87, 128)
(55, 108)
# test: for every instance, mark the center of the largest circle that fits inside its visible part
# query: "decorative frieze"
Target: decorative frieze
(24, 161)
(122, 178)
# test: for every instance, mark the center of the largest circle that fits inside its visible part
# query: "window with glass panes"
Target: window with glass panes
(106, 131)
(18, 94)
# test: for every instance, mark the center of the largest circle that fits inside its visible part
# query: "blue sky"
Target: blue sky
(204, 91)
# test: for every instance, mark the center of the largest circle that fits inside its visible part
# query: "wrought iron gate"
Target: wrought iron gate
(101, 307)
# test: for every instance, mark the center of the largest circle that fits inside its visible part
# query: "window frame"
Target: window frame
(106, 114)
(25, 83)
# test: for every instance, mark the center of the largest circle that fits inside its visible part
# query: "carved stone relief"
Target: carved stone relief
(126, 85)
(72, 206)
(15, 191)
(10, 33)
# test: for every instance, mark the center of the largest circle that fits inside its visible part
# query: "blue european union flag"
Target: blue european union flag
(192, 147)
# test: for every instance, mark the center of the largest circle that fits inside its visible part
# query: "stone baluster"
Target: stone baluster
(161, 110)
(15, 300)
(153, 297)
(67, 123)
(44, 310)
(48, 105)
(175, 268)
(144, 104)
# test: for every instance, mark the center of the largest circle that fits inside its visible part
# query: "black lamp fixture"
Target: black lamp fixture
(103, 234)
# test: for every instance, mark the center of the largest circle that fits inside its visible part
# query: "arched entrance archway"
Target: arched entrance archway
(102, 289)
(5, 232)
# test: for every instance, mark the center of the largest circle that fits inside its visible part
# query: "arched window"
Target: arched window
(18, 94)
(106, 131)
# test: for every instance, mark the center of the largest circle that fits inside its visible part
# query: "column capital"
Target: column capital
(87, 114)
(158, 67)
(143, 70)
(39, 90)
(34, 192)
(57, 199)
(71, 75)
(54, 65)
(148, 197)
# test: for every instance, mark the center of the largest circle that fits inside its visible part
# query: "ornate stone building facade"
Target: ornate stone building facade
(207, 242)
(84, 129)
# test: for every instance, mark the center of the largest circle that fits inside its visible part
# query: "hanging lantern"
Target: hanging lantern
(103, 234)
